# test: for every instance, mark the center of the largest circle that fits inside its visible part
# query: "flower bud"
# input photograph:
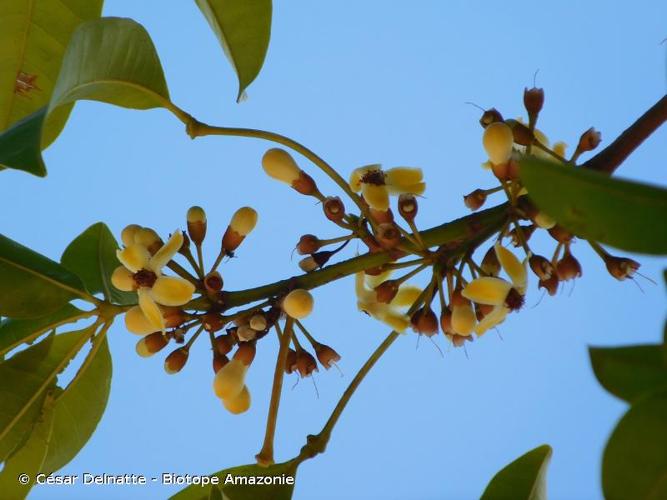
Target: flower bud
(475, 200)
(245, 333)
(176, 360)
(533, 100)
(620, 267)
(326, 355)
(560, 234)
(151, 343)
(308, 264)
(224, 344)
(388, 236)
(568, 267)
(290, 361)
(213, 322)
(490, 116)
(230, 379)
(527, 232)
(407, 206)
(334, 209)
(196, 219)
(242, 223)
(541, 267)
(424, 321)
(127, 234)
(308, 243)
(305, 363)
(459, 340)
(463, 316)
(550, 284)
(298, 303)
(213, 282)
(588, 141)
(544, 221)
(258, 322)
(280, 165)
(219, 360)
(490, 264)
(238, 404)
(446, 321)
(386, 291)
(245, 352)
(498, 142)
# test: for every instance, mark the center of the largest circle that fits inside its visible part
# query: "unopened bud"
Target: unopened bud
(245, 333)
(239, 403)
(280, 165)
(213, 282)
(243, 222)
(258, 322)
(176, 360)
(230, 379)
(424, 321)
(308, 243)
(560, 234)
(541, 267)
(490, 264)
(326, 355)
(498, 142)
(219, 360)
(334, 209)
(290, 361)
(224, 344)
(533, 100)
(588, 141)
(196, 219)
(213, 322)
(490, 116)
(407, 206)
(526, 231)
(459, 340)
(388, 236)
(568, 268)
(620, 267)
(475, 200)
(298, 303)
(305, 363)
(386, 291)
(446, 321)
(150, 344)
(315, 261)
(245, 353)
(550, 284)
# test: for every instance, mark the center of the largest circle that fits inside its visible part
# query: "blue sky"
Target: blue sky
(363, 82)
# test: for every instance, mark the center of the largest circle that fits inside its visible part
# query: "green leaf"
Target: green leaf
(92, 256)
(634, 464)
(32, 285)
(33, 38)
(629, 372)
(80, 407)
(29, 458)
(24, 379)
(111, 60)
(597, 207)
(14, 332)
(243, 28)
(245, 491)
(525, 478)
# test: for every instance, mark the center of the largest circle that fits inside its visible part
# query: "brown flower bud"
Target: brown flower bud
(386, 291)
(527, 232)
(533, 100)
(490, 264)
(213, 322)
(588, 141)
(213, 282)
(513, 168)
(568, 267)
(459, 340)
(424, 321)
(219, 360)
(501, 171)
(176, 360)
(173, 317)
(326, 355)
(334, 209)
(475, 200)
(407, 206)
(305, 184)
(522, 134)
(550, 284)
(446, 321)
(245, 353)
(620, 267)
(308, 243)
(315, 261)
(258, 322)
(490, 116)
(224, 343)
(151, 343)
(305, 363)
(560, 234)
(541, 267)
(196, 218)
(290, 361)
(388, 236)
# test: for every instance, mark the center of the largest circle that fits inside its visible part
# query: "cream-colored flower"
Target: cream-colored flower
(142, 272)
(391, 314)
(505, 296)
(376, 185)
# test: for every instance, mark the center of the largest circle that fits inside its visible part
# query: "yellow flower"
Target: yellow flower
(391, 314)
(505, 296)
(230, 380)
(298, 303)
(498, 141)
(377, 185)
(142, 273)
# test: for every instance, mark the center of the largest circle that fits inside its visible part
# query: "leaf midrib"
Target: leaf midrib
(46, 278)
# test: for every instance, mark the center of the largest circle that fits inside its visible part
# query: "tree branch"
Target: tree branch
(611, 157)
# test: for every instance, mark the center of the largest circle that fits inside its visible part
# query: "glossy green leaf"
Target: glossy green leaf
(245, 491)
(594, 206)
(29, 458)
(33, 38)
(14, 332)
(523, 479)
(32, 285)
(92, 257)
(243, 28)
(79, 408)
(629, 372)
(111, 60)
(634, 464)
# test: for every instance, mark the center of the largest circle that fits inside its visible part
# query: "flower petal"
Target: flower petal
(127, 234)
(463, 319)
(136, 322)
(406, 296)
(376, 196)
(172, 291)
(151, 309)
(358, 173)
(123, 279)
(230, 379)
(396, 321)
(165, 254)
(487, 290)
(363, 293)
(374, 280)
(400, 177)
(513, 267)
(494, 318)
(134, 257)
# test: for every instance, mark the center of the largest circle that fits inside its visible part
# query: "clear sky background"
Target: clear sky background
(362, 82)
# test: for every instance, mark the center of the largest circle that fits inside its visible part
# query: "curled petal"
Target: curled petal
(463, 319)
(123, 279)
(406, 296)
(134, 257)
(376, 196)
(172, 291)
(487, 290)
(151, 309)
(396, 321)
(514, 268)
(363, 293)
(136, 322)
(127, 235)
(165, 254)
(494, 318)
